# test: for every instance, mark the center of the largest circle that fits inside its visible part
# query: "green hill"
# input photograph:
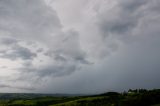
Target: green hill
(140, 97)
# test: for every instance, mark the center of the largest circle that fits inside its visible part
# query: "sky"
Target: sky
(79, 46)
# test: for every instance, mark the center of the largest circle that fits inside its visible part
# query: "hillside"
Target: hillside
(139, 97)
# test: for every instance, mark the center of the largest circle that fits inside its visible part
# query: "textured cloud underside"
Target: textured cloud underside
(79, 46)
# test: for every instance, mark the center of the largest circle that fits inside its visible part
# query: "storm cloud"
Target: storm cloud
(79, 46)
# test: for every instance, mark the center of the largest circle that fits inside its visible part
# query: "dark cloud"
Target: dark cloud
(132, 22)
(3, 85)
(18, 52)
(40, 50)
(125, 17)
(16, 87)
(68, 49)
(58, 57)
(130, 5)
(28, 19)
(71, 49)
(120, 37)
(33, 22)
(130, 35)
(56, 71)
(3, 67)
(8, 41)
(121, 21)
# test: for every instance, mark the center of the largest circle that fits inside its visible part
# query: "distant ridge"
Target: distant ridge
(33, 95)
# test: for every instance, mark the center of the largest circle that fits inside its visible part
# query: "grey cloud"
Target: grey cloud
(61, 56)
(68, 49)
(121, 25)
(3, 85)
(8, 41)
(65, 59)
(40, 50)
(71, 49)
(27, 64)
(130, 29)
(136, 26)
(48, 71)
(16, 87)
(56, 71)
(18, 52)
(124, 35)
(36, 22)
(122, 22)
(116, 25)
(58, 57)
(131, 5)
(3, 67)
(28, 19)
(32, 22)
(122, 19)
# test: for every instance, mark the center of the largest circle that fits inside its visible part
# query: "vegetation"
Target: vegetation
(138, 97)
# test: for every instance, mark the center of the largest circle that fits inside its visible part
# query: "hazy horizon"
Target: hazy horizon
(79, 46)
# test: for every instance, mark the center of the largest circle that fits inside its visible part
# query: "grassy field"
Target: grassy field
(131, 98)
(89, 101)
(156, 105)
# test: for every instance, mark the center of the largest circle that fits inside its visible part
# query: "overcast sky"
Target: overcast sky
(79, 46)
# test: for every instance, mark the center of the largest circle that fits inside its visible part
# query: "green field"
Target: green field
(139, 97)
(156, 105)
